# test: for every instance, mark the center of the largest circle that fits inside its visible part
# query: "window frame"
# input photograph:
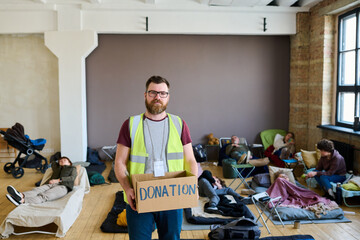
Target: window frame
(348, 88)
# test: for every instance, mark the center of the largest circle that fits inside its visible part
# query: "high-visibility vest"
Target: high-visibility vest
(138, 154)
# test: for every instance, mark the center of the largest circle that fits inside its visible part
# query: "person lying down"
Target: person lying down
(297, 197)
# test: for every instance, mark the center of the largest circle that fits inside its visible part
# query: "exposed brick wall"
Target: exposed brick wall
(312, 78)
(299, 80)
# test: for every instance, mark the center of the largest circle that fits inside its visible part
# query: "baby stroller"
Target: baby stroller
(16, 138)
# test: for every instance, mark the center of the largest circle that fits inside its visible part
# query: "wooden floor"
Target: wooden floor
(99, 201)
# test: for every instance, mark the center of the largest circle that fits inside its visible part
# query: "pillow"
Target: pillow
(318, 153)
(310, 158)
(287, 171)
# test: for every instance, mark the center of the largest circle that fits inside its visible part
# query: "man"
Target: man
(61, 182)
(331, 167)
(241, 152)
(153, 142)
(236, 150)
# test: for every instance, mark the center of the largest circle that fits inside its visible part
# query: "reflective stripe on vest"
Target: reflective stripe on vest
(138, 154)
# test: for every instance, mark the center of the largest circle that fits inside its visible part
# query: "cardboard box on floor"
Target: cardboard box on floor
(175, 190)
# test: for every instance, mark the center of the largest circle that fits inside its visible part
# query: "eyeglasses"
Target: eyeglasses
(153, 94)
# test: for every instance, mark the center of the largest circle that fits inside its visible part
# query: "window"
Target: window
(348, 83)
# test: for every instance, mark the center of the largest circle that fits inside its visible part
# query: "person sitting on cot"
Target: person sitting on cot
(330, 168)
(241, 153)
(284, 146)
(60, 183)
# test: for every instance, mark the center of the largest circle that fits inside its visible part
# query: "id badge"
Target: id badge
(159, 169)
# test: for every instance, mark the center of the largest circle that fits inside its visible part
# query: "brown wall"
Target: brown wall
(219, 84)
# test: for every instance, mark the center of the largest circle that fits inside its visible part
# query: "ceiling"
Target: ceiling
(269, 5)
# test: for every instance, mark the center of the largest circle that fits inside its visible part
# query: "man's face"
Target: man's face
(156, 104)
(325, 153)
(235, 139)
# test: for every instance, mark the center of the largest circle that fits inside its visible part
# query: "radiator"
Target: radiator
(347, 151)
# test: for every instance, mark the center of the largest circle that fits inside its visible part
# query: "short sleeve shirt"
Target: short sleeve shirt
(124, 134)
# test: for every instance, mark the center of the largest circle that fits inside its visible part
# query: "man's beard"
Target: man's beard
(155, 108)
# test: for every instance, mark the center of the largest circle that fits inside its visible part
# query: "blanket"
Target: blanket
(63, 212)
(231, 208)
(109, 225)
(296, 197)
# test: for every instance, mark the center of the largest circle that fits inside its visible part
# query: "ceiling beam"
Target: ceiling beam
(95, 1)
(308, 3)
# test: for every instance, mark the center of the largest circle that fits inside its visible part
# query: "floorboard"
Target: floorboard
(99, 201)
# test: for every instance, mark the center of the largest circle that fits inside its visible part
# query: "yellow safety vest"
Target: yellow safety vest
(138, 154)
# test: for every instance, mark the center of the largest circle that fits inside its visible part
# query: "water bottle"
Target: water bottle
(338, 194)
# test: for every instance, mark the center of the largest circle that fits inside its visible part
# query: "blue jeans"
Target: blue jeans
(324, 180)
(140, 225)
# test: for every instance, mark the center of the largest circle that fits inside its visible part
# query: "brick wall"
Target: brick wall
(312, 77)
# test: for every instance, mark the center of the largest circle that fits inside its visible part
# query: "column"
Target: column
(71, 49)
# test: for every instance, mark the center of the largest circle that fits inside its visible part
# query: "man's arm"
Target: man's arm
(122, 156)
(190, 161)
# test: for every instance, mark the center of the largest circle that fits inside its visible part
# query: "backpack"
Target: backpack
(95, 178)
(262, 179)
(199, 152)
(244, 228)
(93, 157)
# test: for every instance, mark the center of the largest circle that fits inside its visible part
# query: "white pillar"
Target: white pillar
(71, 49)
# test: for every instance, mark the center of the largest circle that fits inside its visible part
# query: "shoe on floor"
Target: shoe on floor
(247, 200)
(247, 191)
(213, 210)
(16, 203)
(14, 193)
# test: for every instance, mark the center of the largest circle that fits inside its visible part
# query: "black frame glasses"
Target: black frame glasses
(153, 93)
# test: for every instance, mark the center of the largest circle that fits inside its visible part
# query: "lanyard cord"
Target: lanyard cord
(152, 142)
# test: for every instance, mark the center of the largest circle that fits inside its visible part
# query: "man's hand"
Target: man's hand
(130, 194)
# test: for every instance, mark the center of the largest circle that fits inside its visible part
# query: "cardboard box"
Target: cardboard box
(175, 190)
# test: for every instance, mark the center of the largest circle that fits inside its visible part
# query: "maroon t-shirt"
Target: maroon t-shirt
(124, 135)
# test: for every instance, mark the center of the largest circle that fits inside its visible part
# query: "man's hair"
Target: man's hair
(157, 80)
(326, 145)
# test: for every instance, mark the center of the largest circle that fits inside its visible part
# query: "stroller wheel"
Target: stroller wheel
(8, 167)
(17, 172)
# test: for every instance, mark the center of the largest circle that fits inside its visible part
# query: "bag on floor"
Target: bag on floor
(95, 178)
(199, 153)
(244, 228)
(262, 179)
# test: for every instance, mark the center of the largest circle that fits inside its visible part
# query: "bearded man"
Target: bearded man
(153, 142)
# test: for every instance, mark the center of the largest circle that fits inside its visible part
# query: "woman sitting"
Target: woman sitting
(282, 148)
